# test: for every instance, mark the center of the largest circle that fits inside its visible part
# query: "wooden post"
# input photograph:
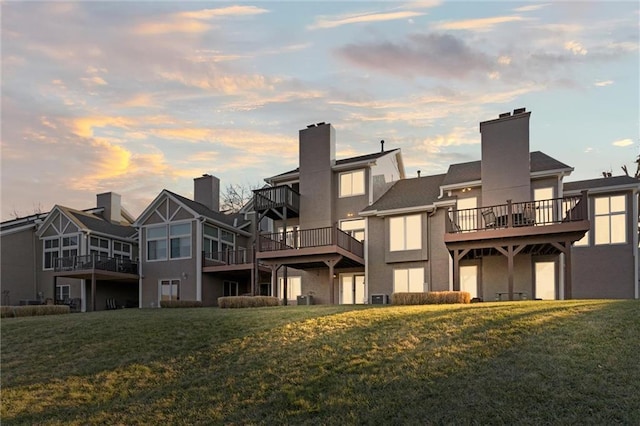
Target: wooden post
(509, 214)
(567, 270)
(456, 270)
(510, 268)
(285, 286)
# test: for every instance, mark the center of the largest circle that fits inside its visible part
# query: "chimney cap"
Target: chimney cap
(504, 114)
(322, 123)
(519, 111)
(310, 126)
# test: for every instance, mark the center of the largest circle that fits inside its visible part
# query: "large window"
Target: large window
(544, 207)
(180, 240)
(170, 290)
(230, 288)
(405, 233)
(157, 242)
(409, 280)
(355, 228)
(352, 183)
(51, 252)
(70, 246)
(294, 287)
(121, 250)
(99, 246)
(217, 241)
(610, 220)
(466, 214)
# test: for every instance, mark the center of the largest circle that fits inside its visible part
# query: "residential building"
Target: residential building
(342, 231)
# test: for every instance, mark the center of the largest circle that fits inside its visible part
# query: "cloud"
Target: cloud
(603, 83)
(84, 126)
(323, 23)
(94, 81)
(531, 8)
(189, 26)
(622, 142)
(436, 55)
(218, 82)
(223, 11)
(480, 24)
(575, 48)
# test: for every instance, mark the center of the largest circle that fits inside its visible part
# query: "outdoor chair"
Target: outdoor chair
(489, 218)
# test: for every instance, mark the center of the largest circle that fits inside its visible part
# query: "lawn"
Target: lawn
(575, 362)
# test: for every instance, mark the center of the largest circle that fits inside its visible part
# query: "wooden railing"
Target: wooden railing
(95, 261)
(276, 196)
(240, 256)
(310, 238)
(511, 215)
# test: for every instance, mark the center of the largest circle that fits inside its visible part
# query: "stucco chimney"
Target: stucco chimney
(206, 190)
(317, 151)
(506, 173)
(110, 201)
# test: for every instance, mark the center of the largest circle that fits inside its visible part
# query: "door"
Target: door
(545, 280)
(352, 289)
(469, 279)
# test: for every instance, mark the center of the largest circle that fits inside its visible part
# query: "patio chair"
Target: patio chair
(489, 217)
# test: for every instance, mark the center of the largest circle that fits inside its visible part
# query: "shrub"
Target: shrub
(431, 298)
(33, 310)
(247, 301)
(180, 304)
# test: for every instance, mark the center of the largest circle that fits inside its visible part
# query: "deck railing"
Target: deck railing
(311, 238)
(241, 256)
(511, 215)
(275, 197)
(95, 261)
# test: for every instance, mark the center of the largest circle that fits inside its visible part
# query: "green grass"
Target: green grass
(574, 362)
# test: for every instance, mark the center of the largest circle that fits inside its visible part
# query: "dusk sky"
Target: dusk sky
(134, 97)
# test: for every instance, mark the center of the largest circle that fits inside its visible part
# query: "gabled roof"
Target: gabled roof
(409, 193)
(616, 181)
(233, 220)
(342, 162)
(87, 221)
(26, 222)
(472, 171)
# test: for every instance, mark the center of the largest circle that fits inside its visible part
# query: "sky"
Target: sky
(135, 97)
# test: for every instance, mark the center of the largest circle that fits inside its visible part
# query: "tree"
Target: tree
(236, 196)
(17, 214)
(637, 174)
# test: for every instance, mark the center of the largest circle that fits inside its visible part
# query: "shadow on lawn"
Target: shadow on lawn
(384, 365)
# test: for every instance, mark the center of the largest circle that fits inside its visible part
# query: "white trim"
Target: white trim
(199, 237)
(555, 172)
(366, 260)
(634, 208)
(398, 211)
(617, 188)
(18, 229)
(140, 276)
(352, 173)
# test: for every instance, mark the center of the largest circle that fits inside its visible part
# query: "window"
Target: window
(610, 220)
(99, 246)
(157, 243)
(216, 242)
(63, 292)
(170, 290)
(180, 240)
(294, 287)
(544, 205)
(121, 250)
(405, 233)
(227, 240)
(410, 280)
(51, 252)
(70, 246)
(355, 228)
(230, 288)
(352, 183)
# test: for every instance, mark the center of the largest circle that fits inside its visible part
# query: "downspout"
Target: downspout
(140, 262)
(430, 260)
(635, 243)
(366, 258)
(35, 266)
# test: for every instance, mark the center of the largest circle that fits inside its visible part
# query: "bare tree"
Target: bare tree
(637, 174)
(235, 196)
(37, 209)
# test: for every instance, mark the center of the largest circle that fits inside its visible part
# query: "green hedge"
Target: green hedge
(431, 298)
(33, 310)
(180, 304)
(247, 301)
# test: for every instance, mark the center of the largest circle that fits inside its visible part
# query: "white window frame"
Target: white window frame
(69, 249)
(184, 236)
(60, 291)
(294, 288)
(162, 238)
(470, 216)
(346, 183)
(46, 250)
(98, 249)
(119, 252)
(230, 284)
(604, 218)
(209, 240)
(399, 227)
(173, 284)
(410, 275)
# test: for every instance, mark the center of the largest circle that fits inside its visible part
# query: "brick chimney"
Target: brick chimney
(317, 151)
(110, 201)
(506, 169)
(206, 190)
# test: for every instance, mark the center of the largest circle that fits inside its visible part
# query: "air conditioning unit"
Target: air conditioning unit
(379, 299)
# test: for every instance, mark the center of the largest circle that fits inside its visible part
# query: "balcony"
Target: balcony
(566, 215)
(95, 262)
(228, 260)
(309, 248)
(278, 202)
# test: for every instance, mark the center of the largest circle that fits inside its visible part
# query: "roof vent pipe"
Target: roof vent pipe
(418, 173)
(382, 145)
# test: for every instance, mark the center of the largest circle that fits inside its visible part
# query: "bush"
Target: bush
(431, 298)
(180, 304)
(247, 301)
(33, 310)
